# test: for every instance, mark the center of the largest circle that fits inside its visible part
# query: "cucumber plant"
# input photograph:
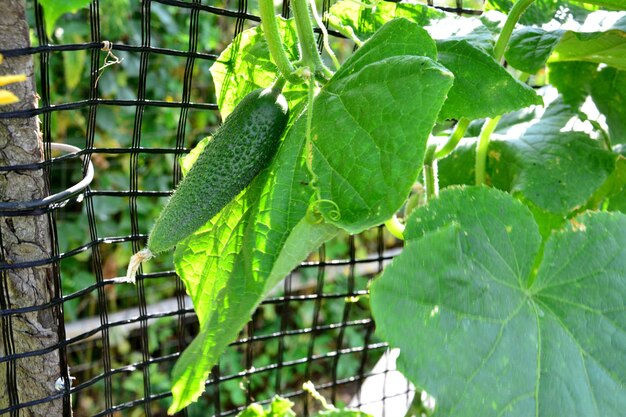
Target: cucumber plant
(242, 147)
(509, 296)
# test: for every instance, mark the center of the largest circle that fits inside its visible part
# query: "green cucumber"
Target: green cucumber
(242, 147)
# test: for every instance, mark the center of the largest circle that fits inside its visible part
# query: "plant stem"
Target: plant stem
(279, 84)
(320, 23)
(430, 173)
(516, 11)
(275, 43)
(394, 227)
(482, 148)
(461, 127)
(309, 127)
(454, 139)
(306, 37)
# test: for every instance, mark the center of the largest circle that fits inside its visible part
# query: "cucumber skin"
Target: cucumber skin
(241, 148)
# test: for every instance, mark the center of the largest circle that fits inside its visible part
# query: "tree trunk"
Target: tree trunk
(22, 239)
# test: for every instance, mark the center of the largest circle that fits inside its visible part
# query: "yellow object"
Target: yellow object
(7, 97)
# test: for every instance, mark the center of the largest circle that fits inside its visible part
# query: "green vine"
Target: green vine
(306, 38)
(454, 139)
(483, 147)
(275, 43)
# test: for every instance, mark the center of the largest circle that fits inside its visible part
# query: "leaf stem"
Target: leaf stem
(394, 227)
(516, 12)
(454, 139)
(306, 37)
(275, 43)
(320, 23)
(279, 84)
(483, 147)
(430, 173)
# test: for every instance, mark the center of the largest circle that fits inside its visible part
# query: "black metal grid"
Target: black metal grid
(336, 326)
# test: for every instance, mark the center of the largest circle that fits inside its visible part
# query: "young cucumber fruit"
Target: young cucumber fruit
(242, 147)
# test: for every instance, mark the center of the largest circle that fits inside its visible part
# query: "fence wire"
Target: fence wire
(117, 343)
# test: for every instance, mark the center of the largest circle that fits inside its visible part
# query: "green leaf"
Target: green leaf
(245, 65)
(231, 263)
(482, 88)
(503, 164)
(397, 37)
(489, 330)
(481, 37)
(559, 170)
(53, 9)
(612, 188)
(540, 11)
(530, 48)
(606, 47)
(556, 170)
(369, 133)
(573, 80)
(608, 91)
(281, 407)
(543, 11)
(253, 410)
(363, 20)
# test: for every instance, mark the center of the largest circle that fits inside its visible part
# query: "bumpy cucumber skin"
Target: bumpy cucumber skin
(242, 147)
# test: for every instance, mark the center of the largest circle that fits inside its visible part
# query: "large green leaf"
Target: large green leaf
(369, 134)
(230, 264)
(607, 47)
(245, 65)
(482, 88)
(364, 19)
(492, 323)
(531, 48)
(608, 91)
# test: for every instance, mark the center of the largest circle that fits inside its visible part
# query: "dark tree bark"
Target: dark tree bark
(24, 238)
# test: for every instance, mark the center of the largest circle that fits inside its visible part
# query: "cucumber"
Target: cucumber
(242, 147)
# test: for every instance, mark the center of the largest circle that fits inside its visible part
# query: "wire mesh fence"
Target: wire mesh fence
(124, 91)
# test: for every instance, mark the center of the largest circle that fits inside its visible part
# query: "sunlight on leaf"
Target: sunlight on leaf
(245, 65)
(230, 264)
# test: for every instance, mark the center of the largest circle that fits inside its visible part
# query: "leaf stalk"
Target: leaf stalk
(306, 37)
(507, 30)
(275, 43)
(483, 147)
(430, 173)
(454, 139)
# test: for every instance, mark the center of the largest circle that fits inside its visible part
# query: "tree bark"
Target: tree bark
(24, 238)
